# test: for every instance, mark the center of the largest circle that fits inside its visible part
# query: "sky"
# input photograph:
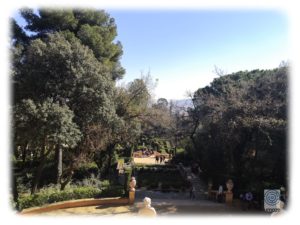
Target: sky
(181, 48)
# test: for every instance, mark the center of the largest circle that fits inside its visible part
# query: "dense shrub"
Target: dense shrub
(92, 182)
(169, 177)
(51, 196)
(86, 170)
(128, 174)
(49, 174)
(113, 191)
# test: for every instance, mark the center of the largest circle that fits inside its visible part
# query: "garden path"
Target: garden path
(163, 207)
(147, 161)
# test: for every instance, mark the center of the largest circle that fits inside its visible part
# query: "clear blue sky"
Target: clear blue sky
(180, 48)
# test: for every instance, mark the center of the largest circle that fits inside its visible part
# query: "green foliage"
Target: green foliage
(94, 28)
(65, 64)
(47, 121)
(168, 176)
(113, 191)
(89, 188)
(86, 171)
(18, 35)
(128, 174)
(52, 196)
(105, 184)
(240, 123)
(103, 161)
(64, 85)
(183, 157)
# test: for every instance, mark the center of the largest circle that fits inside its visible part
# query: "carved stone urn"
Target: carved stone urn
(229, 185)
(132, 184)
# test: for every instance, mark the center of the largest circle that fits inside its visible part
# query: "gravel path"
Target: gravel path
(147, 161)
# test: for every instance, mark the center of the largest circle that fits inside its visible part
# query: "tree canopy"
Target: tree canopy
(68, 65)
(241, 126)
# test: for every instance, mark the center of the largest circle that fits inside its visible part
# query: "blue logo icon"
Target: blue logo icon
(271, 200)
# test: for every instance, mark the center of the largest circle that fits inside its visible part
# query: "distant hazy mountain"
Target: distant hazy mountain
(185, 103)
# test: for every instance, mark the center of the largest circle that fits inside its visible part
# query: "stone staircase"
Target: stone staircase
(200, 186)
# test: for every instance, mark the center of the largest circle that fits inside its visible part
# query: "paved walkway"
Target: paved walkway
(165, 204)
(163, 207)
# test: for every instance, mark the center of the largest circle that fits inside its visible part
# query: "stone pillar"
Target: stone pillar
(131, 197)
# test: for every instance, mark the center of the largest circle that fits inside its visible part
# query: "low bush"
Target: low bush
(51, 196)
(169, 177)
(91, 182)
(113, 191)
(85, 171)
(105, 183)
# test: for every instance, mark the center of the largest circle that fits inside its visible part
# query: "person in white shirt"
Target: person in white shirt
(219, 195)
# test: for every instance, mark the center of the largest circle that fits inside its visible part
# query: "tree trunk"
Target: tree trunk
(64, 183)
(59, 156)
(39, 170)
(37, 176)
(15, 190)
(110, 152)
(24, 152)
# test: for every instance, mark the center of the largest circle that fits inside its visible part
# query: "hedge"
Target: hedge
(113, 191)
(128, 174)
(85, 171)
(47, 197)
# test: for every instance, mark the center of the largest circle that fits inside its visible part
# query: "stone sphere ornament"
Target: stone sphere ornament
(132, 184)
(229, 185)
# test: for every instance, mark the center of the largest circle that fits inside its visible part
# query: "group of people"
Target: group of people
(147, 152)
(160, 159)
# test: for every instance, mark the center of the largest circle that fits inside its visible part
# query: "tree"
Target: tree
(241, 128)
(18, 35)
(74, 68)
(43, 126)
(94, 28)
(162, 103)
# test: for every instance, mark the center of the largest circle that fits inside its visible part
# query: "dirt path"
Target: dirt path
(147, 161)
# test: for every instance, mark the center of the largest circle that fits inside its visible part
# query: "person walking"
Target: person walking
(219, 196)
(192, 192)
(156, 159)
